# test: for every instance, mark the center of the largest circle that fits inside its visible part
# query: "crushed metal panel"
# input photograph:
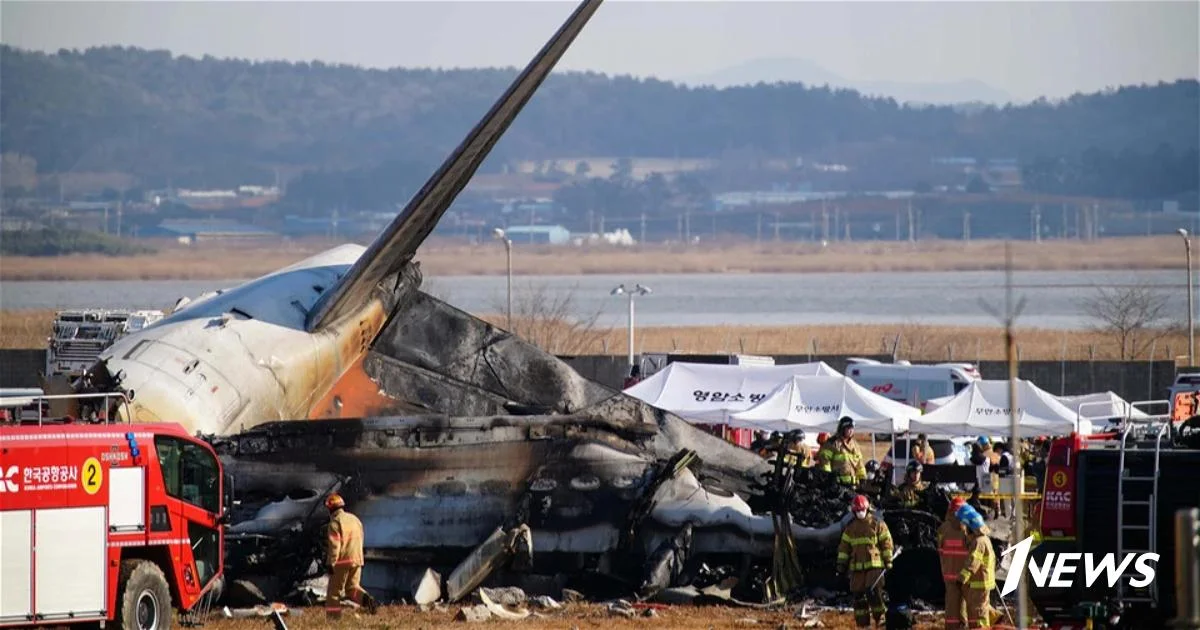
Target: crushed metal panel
(487, 557)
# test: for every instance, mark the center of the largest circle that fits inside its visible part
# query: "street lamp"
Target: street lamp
(1187, 244)
(499, 235)
(637, 290)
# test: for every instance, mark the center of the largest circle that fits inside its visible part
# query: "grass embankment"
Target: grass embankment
(29, 329)
(222, 260)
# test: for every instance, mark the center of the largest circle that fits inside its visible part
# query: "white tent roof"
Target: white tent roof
(708, 392)
(818, 402)
(982, 408)
(1103, 405)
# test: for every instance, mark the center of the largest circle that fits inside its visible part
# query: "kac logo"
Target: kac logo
(7, 484)
(1057, 566)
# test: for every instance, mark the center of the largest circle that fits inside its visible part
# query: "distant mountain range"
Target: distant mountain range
(790, 69)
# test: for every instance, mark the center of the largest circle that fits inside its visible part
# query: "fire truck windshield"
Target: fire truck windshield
(189, 472)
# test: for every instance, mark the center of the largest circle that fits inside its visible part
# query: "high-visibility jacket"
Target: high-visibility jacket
(909, 494)
(924, 455)
(843, 459)
(866, 544)
(801, 458)
(980, 569)
(952, 548)
(345, 540)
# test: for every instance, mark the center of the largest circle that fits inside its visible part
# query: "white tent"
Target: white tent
(818, 402)
(708, 392)
(982, 408)
(1102, 406)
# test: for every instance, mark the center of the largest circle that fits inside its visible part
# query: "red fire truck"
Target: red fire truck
(1116, 493)
(107, 522)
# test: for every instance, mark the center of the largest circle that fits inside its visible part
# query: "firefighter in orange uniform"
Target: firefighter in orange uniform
(345, 556)
(952, 550)
(921, 451)
(978, 575)
(866, 550)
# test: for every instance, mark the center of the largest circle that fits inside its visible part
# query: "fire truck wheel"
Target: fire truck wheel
(144, 597)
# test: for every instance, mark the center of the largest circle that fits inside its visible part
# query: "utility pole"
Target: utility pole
(1009, 318)
(967, 227)
(758, 231)
(643, 236)
(837, 221)
(776, 227)
(824, 222)
(687, 226)
(897, 225)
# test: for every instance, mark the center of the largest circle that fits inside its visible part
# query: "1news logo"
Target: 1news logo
(1057, 567)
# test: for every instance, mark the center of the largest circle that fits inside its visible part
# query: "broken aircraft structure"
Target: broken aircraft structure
(458, 444)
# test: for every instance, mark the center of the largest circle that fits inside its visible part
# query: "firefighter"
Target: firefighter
(840, 455)
(978, 575)
(908, 495)
(796, 453)
(866, 550)
(345, 556)
(921, 451)
(952, 551)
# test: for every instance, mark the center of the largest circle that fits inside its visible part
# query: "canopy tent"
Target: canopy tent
(982, 408)
(1102, 406)
(709, 392)
(817, 403)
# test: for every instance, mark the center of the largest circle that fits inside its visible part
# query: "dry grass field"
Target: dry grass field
(219, 260)
(574, 616)
(29, 329)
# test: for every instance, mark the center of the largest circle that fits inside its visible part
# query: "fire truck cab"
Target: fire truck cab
(107, 522)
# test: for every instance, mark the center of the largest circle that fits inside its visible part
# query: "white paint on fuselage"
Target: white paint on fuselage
(212, 369)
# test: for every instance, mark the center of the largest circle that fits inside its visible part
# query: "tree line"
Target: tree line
(222, 122)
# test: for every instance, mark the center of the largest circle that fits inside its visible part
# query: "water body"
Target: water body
(1052, 297)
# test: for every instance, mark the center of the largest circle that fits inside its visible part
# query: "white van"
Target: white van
(912, 384)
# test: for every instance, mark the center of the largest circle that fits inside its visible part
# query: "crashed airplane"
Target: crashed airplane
(462, 447)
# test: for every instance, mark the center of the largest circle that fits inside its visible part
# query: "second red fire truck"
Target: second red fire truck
(107, 522)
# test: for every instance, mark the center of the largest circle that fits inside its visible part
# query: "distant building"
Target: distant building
(538, 234)
(196, 231)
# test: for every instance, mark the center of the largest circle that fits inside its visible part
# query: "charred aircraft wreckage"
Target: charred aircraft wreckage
(463, 448)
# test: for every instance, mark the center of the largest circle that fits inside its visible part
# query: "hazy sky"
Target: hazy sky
(1026, 48)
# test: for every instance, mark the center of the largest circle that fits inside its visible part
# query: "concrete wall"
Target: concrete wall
(20, 368)
(1131, 380)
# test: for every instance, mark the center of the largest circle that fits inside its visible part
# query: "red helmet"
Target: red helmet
(956, 503)
(859, 503)
(334, 501)
(821, 437)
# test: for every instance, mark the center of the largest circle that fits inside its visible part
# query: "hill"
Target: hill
(222, 122)
(794, 70)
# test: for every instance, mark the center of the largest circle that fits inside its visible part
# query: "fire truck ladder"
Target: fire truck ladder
(1137, 495)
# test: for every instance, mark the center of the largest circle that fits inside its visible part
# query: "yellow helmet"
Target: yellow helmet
(334, 501)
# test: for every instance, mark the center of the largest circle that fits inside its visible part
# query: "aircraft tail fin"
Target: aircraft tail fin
(398, 243)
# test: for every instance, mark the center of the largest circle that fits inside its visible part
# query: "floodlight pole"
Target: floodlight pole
(500, 235)
(630, 294)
